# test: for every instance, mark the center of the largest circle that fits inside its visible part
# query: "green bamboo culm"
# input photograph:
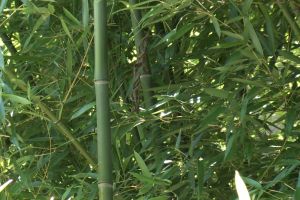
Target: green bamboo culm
(139, 38)
(102, 102)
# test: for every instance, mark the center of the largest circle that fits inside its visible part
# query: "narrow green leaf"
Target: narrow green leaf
(66, 193)
(269, 26)
(71, 17)
(216, 25)
(51, 8)
(211, 117)
(253, 36)
(284, 173)
(65, 27)
(290, 119)
(36, 26)
(178, 140)
(241, 188)
(142, 165)
(175, 34)
(230, 145)
(217, 92)
(233, 35)
(226, 45)
(253, 183)
(246, 6)
(249, 82)
(144, 179)
(290, 56)
(82, 110)
(17, 99)
(244, 109)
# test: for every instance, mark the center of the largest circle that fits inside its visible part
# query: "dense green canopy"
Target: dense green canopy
(198, 89)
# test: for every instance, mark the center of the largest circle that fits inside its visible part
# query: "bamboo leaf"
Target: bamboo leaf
(217, 92)
(175, 34)
(269, 27)
(244, 109)
(253, 36)
(216, 25)
(284, 173)
(51, 8)
(82, 110)
(246, 6)
(249, 82)
(241, 188)
(71, 17)
(144, 179)
(233, 35)
(146, 172)
(290, 56)
(291, 117)
(253, 183)
(66, 193)
(38, 23)
(17, 99)
(65, 27)
(230, 146)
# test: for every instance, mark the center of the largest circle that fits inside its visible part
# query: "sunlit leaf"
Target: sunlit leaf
(146, 172)
(241, 188)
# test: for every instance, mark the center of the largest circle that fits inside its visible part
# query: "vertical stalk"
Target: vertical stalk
(102, 103)
(142, 60)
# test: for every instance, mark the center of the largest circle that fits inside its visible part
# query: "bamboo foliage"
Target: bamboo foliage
(102, 103)
(226, 99)
(57, 122)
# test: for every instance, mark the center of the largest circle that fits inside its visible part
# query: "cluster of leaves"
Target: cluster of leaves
(226, 89)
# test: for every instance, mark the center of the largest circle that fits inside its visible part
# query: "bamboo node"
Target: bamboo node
(104, 185)
(100, 82)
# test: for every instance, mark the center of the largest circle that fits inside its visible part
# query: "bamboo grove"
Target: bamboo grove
(149, 100)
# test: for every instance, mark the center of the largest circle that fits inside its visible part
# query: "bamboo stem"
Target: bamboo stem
(140, 43)
(102, 102)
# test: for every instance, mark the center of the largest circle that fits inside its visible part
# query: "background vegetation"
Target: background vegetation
(224, 96)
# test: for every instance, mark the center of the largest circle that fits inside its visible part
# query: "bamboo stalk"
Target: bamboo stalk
(139, 38)
(102, 103)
